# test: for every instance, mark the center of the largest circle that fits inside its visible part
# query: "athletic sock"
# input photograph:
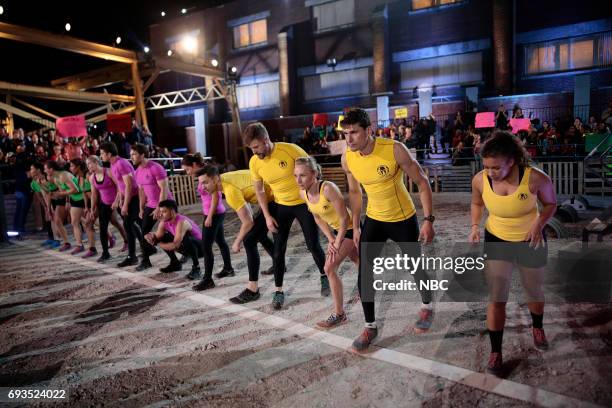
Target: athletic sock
(371, 325)
(428, 305)
(537, 320)
(496, 337)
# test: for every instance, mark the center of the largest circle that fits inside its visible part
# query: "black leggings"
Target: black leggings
(211, 234)
(146, 225)
(131, 223)
(379, 231)
(105, 213)
(259, 233)
(284, 216)
(190, 246)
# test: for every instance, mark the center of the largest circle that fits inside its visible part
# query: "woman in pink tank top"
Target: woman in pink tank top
(103, 193)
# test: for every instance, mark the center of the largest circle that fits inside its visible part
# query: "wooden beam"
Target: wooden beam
(151, 79)
(139, 96)
(66, 43)
(26, 115)
(36, 108)
(101, 77)
(176, 65)
(62, 94)
(102, 117)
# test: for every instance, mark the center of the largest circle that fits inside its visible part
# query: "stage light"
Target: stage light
(12, 234)
(331, 62)
(183, 11)
(95, 126)
(169, 53)
(190, 44)
(233, 70)
(214, 62)
(163, 14)
(146, 49)
(67, 26)
(1, 10)
(118, 40)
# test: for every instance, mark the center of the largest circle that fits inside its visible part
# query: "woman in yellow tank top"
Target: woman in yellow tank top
(509, 189)
(325, 202)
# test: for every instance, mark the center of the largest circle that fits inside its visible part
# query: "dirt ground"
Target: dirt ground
(119, 338)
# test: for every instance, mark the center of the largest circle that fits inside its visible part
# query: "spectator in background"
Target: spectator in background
(517, 112)
(459, 122)
(23, 195)
(446, 137)
(592, 124)
(606, 115)
(307, 142)
(147, 137)
(501, 118)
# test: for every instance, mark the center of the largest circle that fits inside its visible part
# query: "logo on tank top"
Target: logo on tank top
(382, 170)
(523, 196)
(282, 164)
(326, 207)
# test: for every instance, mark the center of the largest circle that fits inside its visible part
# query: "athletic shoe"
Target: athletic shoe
(225, 273)
(150, 251)
(143, 266)
(495, 364)
(245, 296)
(332, 321)
(129, 261)
(269, 271)
(90, 252)
(364, 340)
(539, 339)
(47, 242)
(172, 267)
(425, 319)
(55, 244)
(278, 299)
(103, 258)
(204, 284)
(125, 247)
(184, 259)
(195, 273)
(111, 241)
(325, 290)
(64, 247)
(77, 250)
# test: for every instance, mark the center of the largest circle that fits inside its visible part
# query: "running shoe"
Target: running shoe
(111, 241)
(64, 247)
(55, 244)
(77, 250)
(364, 340)
(195, 273)
(204, 284)
(495, 365)
(539, 339)
(125, 247)
(184, 259)
(245, 296)
(143, 266)
(325, 290)
(103, 258)
(425, 319)
(332, 321)
(172, 267)
(47, 242)
(278, 299)
(269, 271)
(129, 261)
(90, 252)
(225, 272)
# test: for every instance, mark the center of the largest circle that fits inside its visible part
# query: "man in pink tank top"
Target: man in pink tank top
(152, 182)
(177, 233)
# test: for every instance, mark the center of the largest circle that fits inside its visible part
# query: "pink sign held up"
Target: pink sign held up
(519, 124)
(71, 126)
(485, 120)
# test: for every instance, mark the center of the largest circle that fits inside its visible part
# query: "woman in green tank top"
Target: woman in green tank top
(79, 169)
(54, 212)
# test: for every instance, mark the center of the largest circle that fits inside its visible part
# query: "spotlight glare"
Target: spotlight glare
(12, 234)
(169, 53)
(184, 11)
(190, 44)
(67, 26)
(1, 10)
(146, 49)
(214, 62)
(163, 14)
(118, 40)
(234, 70)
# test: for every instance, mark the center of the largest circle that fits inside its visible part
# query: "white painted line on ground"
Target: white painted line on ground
(484, 382)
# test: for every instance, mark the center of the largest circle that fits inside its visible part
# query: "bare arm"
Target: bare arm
(73, 189)
(94, 193)
(355, 197)
(543, 186)
(127, 179)
(333, 194)
(246, 224)
(477, 207)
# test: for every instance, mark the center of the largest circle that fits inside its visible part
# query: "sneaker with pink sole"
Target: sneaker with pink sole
(90, 252)
(64, 247)
(77, 250)
(111, 241)
(124, 248)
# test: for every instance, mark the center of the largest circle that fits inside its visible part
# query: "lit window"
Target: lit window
(255, 32)
(425, 4)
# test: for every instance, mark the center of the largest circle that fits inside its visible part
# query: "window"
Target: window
(258, 95)
(255, 32)
(447, 70)
(338, 83)
(569, 54)
(425, 4)
(334, 14)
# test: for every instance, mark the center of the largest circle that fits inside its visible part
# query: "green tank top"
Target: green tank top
(38, 188)
(74, 197)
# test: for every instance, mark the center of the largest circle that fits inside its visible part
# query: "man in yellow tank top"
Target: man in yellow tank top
(378, 165)
(273, 164)
(240, 194)
(509, 189)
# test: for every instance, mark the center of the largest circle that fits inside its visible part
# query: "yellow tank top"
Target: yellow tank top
(511, 216)
(324, 209)
(382, 179)
(276, 170)
(238, 189)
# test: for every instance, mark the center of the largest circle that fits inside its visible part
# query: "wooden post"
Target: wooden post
(139, 97)
(10, 123)
(232, 99)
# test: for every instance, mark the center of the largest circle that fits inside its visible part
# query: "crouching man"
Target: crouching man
(177, 233)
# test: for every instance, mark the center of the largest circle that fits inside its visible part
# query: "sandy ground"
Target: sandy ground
(113, 337)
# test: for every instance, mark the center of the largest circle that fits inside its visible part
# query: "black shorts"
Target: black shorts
(515, 252)
(77, 204)
(348, 235)
(58, 202)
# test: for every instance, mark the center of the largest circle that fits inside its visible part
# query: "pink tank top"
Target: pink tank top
(106, 188)
(207, 198)
(170, 226)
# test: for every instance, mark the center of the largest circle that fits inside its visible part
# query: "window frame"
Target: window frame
(315, 24)
(250, 45)
(436, 7)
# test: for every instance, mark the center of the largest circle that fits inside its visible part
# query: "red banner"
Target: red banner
(71, 126)
(320, 119)
(119, 123)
